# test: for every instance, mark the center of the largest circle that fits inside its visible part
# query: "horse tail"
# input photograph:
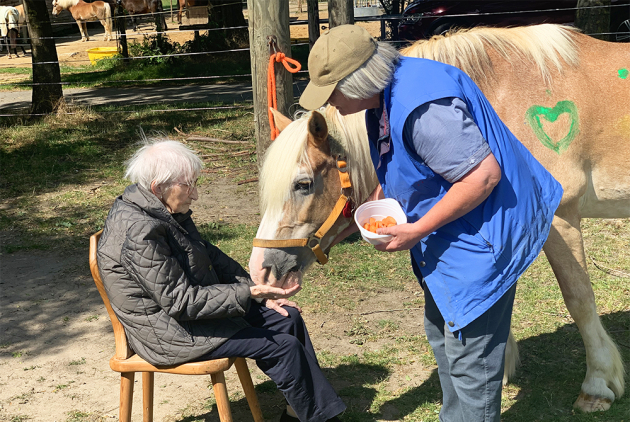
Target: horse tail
(108, 12)
(108, 19)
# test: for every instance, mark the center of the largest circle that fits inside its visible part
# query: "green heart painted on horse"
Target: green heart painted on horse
(534, 114)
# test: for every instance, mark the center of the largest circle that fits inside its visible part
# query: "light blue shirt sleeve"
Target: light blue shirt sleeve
(445, 136)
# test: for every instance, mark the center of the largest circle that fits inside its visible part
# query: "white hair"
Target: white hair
(163, 161)
(373, 75)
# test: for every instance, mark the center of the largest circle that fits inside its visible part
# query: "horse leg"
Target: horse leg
(83, 31)
(107, 35)
(604, 379)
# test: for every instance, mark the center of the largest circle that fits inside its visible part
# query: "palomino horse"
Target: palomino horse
(573, 115)
(83, 12)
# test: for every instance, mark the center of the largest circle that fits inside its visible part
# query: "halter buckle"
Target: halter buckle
(342, 164)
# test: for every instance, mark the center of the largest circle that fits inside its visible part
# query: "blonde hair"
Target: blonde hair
(544, 46)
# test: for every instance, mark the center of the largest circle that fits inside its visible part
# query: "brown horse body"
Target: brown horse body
(188, 4)
(138, 7)
(573, 115)
(83, 12)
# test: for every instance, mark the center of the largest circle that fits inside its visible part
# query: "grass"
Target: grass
(59, 175)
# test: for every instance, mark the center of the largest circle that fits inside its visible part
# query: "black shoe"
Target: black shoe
(286, 418)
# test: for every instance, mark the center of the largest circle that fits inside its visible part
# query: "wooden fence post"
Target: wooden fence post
(340, 12)
(268, 18)
(312, 7)
(121, 27)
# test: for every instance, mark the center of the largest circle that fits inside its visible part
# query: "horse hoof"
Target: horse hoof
(588, 403)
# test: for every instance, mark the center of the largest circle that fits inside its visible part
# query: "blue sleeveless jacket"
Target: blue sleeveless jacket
(469, 263)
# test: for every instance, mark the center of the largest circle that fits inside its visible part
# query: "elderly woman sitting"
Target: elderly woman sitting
(182, 299)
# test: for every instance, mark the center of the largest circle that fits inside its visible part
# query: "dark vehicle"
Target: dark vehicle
(424, 18)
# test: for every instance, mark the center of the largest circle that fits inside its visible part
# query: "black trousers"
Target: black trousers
(282, 349)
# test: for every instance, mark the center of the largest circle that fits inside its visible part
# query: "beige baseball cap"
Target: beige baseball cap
(335, 55)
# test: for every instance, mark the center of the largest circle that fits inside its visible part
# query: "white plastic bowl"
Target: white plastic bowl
(379, 210)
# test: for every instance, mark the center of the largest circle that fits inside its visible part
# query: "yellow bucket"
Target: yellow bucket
(98, 53)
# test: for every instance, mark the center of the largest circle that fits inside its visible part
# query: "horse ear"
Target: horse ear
(318, 130)
(280, 119)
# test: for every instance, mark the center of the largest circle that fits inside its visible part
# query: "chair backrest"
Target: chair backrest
(123, 351)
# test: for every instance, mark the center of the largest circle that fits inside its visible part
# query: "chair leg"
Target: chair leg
(126, 395)
(248, 387)
(147, 396)
(221, 396)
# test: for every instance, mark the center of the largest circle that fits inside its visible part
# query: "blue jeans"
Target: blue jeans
(470, 369)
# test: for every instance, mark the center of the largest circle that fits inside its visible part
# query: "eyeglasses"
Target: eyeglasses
(189, 187)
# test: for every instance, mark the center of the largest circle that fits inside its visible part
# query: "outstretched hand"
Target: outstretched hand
(266, 291)
(277, 305)
(405, 237)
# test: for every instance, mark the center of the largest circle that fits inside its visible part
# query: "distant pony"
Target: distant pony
(83, 12)
(136, 7)
(9, 25)
(189, 4)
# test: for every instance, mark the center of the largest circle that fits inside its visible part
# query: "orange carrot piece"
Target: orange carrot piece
(389, 220)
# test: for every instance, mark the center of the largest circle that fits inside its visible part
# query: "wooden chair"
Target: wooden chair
(128, 363)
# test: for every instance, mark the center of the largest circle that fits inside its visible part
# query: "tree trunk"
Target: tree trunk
(593, 17)
(268, 18)
(340, 12)
(45, 97)
(313, 21)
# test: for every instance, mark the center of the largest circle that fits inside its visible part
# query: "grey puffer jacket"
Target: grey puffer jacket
(177, 296)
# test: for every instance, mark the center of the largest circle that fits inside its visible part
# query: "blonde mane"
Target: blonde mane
(543, 45)
(346, 136)
(65, 4)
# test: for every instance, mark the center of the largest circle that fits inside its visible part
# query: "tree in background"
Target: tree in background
(593, 17)
(45, 62)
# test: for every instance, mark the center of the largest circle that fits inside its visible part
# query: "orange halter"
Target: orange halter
(342, 207)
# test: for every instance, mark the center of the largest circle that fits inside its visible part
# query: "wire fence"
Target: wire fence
(382, 19)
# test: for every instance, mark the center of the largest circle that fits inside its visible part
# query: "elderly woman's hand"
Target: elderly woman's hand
(277, 305)
(266, 291)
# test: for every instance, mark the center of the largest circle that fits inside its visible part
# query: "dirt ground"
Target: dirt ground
(56, 338)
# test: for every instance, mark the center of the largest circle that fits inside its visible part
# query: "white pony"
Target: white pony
(9, 28)
(83, 12)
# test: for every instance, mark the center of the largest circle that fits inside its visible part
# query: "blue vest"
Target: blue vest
(471, 262)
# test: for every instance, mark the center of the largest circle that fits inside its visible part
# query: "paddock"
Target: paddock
(59, 177)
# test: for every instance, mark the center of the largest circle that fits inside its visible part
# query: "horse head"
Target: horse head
(312, 175)
(56, 8)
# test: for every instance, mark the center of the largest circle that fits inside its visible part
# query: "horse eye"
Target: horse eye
(303, 186)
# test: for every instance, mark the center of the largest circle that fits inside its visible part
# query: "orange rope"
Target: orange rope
(272, 99)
